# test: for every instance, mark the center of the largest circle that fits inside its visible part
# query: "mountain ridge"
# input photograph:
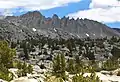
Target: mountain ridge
(22, 27)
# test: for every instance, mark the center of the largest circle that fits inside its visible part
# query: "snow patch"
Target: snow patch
(34, 29)
(55, 30)
(71, 34)
(87, 35)
(94, 34)
(20, 31)
(78, 36)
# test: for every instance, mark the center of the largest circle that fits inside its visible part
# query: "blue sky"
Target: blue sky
(106, 12)
(62, 10)
(65, 10)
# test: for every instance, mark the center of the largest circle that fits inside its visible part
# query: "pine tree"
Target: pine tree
(56, 64)
(25, 49)
(63, 64)
(13, 45)
(6, 54)
(78, 64)
(115, 52)
(71, 66)
(6, 60)
(59, 66)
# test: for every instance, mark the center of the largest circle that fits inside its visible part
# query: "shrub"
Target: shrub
(81, 78)
(24, 69)
(5, 74)
(110, 65)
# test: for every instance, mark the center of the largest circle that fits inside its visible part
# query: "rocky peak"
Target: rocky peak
(11, 18)
(55, 16)
(32, 14)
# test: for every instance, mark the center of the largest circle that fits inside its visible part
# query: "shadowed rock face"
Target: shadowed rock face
(21, 27)
(117, 29)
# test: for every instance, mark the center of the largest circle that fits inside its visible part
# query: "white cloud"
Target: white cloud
(30, 5)
(104, 4)
(103, 11)
(7, 12)
(34, 4)
(99, 14)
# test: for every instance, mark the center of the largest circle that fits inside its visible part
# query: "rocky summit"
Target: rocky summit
(34, 24)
